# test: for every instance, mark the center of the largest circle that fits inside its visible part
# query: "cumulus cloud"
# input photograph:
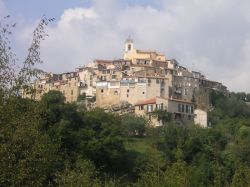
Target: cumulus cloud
(208, 36)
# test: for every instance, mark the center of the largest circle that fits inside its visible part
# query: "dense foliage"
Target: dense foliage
(54, 143)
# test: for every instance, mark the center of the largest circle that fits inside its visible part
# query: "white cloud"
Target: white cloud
(210, 36)
(3, 9)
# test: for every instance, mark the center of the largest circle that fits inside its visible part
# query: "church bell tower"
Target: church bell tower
(129, 44)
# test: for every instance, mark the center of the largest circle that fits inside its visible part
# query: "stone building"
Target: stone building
(181, 111)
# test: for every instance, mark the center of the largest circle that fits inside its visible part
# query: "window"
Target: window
(115, 92)
(101, 90)
(150, 108)
(141, 107)
(182, 108)
(159, 106)
(127, 95)
(113, 77)
(103, 78)
(179, 107)
(187, 108)
(72, 92)
(149, 82)
(185, 91)
(192, 109)
(127, 90)
(189, 117)
(143, 92)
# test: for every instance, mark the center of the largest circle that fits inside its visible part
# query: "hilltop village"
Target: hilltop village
(142, 82)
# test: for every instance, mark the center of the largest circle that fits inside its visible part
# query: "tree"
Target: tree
(163, 115)
(28, 156)
(14, 80)
(101, 140)
(241, 176)
(82, 174)
(134, 125)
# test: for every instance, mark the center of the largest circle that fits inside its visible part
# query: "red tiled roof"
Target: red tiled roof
(146, 102)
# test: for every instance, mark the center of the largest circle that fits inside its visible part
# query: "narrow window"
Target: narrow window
(179, 107)
(150, 108)
(161, 106)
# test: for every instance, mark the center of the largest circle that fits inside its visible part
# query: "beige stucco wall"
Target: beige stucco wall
(140, 54)
(200, 118)
(133, 93)
(107, 94)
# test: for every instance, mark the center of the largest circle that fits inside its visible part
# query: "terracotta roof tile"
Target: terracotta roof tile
(147, 101)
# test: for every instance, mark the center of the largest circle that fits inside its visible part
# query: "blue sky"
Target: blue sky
(212, 37)
(34, 9)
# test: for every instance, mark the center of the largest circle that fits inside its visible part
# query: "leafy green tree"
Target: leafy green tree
(102, 139)
(163, 115)
(149, 167)
(241, 148)
(134, 125)
(241, 176)
(82, 174)
(28, 157)
(177, 175)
